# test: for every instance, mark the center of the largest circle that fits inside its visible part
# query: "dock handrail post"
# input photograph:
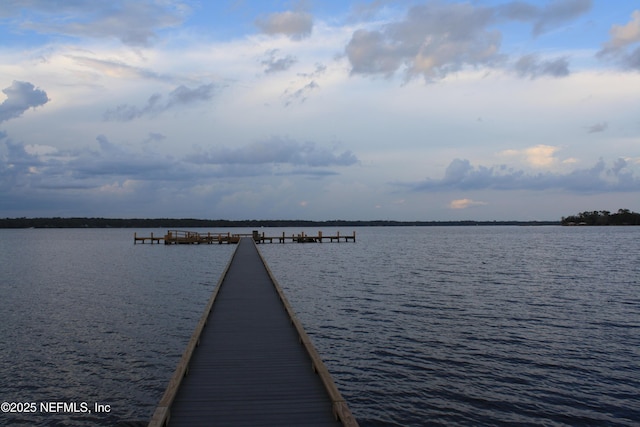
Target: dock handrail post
(151, 238)
(135, 237)
(320, 236)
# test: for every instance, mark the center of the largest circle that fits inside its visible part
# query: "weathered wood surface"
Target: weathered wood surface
(254, 364)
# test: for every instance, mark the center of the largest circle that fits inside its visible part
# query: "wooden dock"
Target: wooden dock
(249, 361)
(182, 237)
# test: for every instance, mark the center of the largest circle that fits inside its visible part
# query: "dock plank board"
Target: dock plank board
(250, 367)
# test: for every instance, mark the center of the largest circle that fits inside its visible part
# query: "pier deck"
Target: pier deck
(253, 364)
(193, 237)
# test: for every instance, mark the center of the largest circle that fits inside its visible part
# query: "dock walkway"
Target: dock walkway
(253, 364)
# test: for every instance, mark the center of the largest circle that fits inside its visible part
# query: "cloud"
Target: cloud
(48, 176)
(34, 168)
(295, 25)
(531, 66)
(21, 96)
(118, 69)
(558, 12)
(461, 175)
(539, 156)
(597, 127)
(301, 88)
(301, 94)
(438, 38)
(181, 96)
(546, 18)
(274, 65)
(432, 41)
(133, 23)
(621, 43)
(276, 150)
(465, 203)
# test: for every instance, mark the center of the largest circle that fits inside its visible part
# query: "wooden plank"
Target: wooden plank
(253, 366)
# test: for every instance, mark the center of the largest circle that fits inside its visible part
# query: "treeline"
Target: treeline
(622, 217)
(58, 222)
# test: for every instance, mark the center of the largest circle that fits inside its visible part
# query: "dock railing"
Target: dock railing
(193, 237)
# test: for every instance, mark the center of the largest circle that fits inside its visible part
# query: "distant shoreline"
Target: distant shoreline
(220, 223)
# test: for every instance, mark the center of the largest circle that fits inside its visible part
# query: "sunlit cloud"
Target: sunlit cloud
(539, 156)
(465, 204)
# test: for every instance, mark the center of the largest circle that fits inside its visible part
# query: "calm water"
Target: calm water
(419, 326)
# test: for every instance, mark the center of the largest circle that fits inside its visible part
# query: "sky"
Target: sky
(358, 110)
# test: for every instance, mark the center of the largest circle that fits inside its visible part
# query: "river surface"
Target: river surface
(418, 325)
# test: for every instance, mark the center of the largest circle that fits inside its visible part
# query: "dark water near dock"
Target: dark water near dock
(418, 325)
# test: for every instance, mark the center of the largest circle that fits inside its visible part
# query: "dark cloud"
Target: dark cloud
(275, 151)
(181, 96)
(21, 96)
(533, 67)
(597, 127)
(108, 166)
(462, 175)
(300, 90)
(295, 25)
(438, 38)
(155, 137)
(632, 60)
(301, 94)
(274, 65)
(133, 23)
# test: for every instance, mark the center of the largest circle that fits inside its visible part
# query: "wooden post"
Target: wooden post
(320, 236)
(135, 237)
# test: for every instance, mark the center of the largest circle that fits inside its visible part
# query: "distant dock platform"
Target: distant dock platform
(249, 361)
(192, 237)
